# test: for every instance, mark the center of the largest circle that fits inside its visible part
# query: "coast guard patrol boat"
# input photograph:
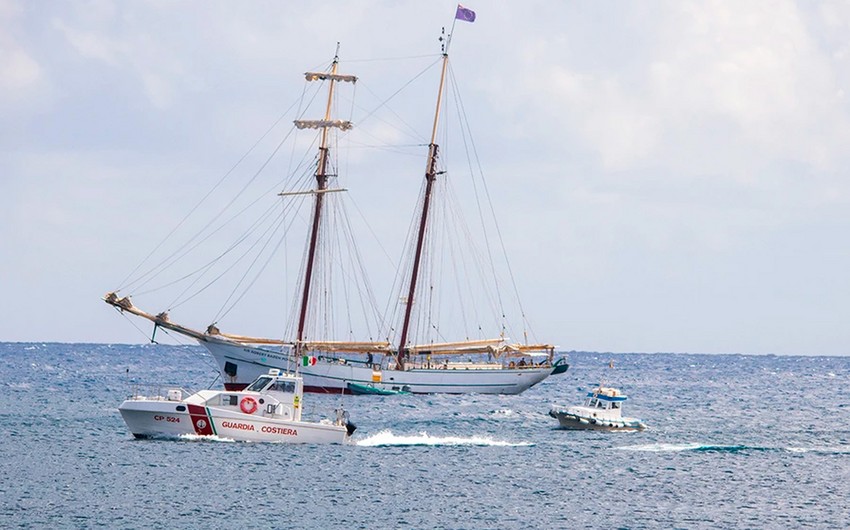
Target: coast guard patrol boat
(268, 410)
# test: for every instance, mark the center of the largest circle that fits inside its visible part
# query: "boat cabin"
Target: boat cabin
(275, 381)
(604, 398)
(275, 394)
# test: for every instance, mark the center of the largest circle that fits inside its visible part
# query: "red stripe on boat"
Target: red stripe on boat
(200, 421)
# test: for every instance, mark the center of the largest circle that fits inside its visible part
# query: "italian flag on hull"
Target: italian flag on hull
(308, 360)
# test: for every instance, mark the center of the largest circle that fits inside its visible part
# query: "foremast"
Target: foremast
(430, 177)
(321, 184)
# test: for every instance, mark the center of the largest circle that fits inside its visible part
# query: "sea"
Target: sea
(734, 441)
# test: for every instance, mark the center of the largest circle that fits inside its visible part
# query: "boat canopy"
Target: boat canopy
(607, 394)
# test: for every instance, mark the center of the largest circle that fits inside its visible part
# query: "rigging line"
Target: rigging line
(337, 205)
(211, 282)
(479, 259)
(222, 313)
(204, 198)
(428, 56)
(289, 170)
(408, 130)
(492, 210)
(397, 297)
(205, 266)
(181, 253)
(386, 147)
(361, 145)
(457, 276)
(464, 131)
(273, 227)
(372, 231)
(179, 339)
(190, 347)
(208, 265)
(477, 262)
(363, 287)
(295, 301)
(361, 264)
(385, 103)
(217, 184)
(186, 251)
(217, 216)
(340, 243)
(135, 324)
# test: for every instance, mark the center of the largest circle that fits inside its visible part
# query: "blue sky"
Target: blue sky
(676, 172)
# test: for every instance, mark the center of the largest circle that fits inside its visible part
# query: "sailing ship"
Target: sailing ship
(494, 365)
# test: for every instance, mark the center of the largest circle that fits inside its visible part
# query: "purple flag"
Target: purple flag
(465, 14)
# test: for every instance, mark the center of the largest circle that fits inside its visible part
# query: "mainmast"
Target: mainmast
(321, 181)
(430, 177)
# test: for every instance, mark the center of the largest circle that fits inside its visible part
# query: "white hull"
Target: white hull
(333, 376)
(151, 418)
(577, 422)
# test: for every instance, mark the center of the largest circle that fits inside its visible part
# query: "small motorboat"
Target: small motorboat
(268, 410)
(372, 389)
(602, 410)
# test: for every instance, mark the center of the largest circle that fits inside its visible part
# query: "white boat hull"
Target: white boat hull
(333, 376)
(573, 421)
(154, 418)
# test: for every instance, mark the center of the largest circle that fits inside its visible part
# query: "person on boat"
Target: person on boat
(369, 358)
(522, 363)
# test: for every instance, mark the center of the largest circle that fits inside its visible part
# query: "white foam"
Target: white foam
(838, 450)
(204, 438)
(387, 438)
(662, 448)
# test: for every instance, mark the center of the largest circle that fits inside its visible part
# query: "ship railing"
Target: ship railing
(157, 392)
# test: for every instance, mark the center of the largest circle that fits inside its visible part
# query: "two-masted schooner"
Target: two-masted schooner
(484, 365)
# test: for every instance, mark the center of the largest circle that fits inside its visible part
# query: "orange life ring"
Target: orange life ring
(248, 405)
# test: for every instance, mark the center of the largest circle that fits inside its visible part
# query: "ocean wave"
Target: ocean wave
(387, 438)
(667, 448)
(831, 450)
(716, 448)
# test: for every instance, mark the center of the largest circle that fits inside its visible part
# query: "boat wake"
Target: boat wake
(713, 448)
(387, 439)
(204, 438)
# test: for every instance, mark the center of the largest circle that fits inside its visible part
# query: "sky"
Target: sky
(674, 175)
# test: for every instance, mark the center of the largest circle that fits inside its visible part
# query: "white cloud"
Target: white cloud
(18, 71)
(752, 69)
(637, 143)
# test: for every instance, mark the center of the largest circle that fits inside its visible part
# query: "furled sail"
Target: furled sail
(320, 124)
(346, 347)
(324, 76)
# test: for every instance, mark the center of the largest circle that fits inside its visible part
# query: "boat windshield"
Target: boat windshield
(287, 387)
(259, 384)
